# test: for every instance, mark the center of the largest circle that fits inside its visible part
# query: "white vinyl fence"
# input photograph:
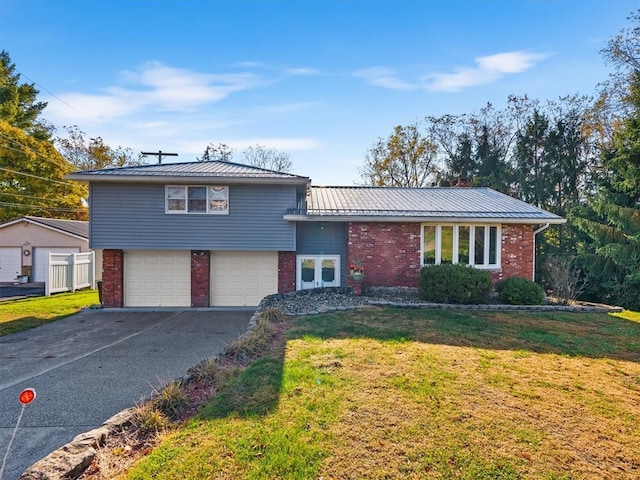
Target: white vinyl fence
(69, 272)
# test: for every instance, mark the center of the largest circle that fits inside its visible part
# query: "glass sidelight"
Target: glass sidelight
(316, 271)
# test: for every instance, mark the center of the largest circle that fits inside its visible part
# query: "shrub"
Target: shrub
(148, 418)
(171, 399)
(251, 344)
(454, 284)
(273, 315)
(207, 370)
(520, 291)
(564, 279)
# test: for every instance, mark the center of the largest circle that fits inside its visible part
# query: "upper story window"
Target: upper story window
(197, 199)
(476, 245)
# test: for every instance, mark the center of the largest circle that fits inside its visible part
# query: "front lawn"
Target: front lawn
(415, 394)
(19, 315)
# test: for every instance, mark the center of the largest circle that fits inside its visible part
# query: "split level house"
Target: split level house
(220, 234)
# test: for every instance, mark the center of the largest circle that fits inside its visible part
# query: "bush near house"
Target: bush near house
(454, 284)
(520, 291)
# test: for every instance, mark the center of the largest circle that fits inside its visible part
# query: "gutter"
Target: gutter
(535, 232)
(422, 219)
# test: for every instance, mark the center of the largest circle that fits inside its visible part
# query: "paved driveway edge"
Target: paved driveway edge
(70, 460)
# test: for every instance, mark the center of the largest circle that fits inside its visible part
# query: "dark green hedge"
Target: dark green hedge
(520, 291)
(454, 284)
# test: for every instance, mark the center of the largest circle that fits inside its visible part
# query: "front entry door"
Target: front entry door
(316, 271)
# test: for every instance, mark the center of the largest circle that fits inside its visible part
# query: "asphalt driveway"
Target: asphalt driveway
(88, 367)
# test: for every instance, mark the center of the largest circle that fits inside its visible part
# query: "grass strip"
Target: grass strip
(23, 314)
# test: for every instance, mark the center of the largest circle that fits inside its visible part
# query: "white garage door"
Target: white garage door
(157, 279)
(41, 260)
(10, 263)
(242, 278)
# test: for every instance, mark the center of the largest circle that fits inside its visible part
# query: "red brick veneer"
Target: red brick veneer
(286, 272)
(200, 278)
(517, 252)
(112, 278)
(390, 252)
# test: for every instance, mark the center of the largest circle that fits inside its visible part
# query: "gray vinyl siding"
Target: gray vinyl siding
(127, 216)
(323, 238)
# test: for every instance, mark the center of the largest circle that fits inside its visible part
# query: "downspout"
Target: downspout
(535, 232)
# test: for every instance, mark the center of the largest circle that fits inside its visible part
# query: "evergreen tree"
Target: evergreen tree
(18, 103)
(611, 257)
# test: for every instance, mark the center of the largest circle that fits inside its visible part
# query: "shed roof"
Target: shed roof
(444, 204)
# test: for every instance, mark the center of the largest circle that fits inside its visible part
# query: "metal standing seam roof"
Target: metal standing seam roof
(436, 202)
(188, 169)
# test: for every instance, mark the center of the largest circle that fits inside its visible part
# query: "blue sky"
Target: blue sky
(321, 80)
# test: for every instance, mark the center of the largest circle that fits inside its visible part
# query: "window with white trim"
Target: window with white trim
(476, 245)
(212, 199)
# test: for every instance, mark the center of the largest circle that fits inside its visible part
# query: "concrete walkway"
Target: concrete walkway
(89, 366)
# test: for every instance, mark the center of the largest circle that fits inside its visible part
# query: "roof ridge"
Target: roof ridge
(194, 162)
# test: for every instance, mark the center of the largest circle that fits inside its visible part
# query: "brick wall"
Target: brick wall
(286, 272)
(517, 252)
(390, 252)
(112, 278)
(200, 278)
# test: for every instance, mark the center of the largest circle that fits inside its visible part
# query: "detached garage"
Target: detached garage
(25, 245)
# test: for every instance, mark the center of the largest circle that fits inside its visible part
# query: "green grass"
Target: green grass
(413, 394)
(19, 315)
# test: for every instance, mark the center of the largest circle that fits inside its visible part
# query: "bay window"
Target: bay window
(475, 245)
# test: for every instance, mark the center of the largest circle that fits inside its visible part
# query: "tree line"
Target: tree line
(578, 157)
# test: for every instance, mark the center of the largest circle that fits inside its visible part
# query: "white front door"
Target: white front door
(316, 271)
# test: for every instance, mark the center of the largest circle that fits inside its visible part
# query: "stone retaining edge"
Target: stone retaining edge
(70, 460)
(481, 307)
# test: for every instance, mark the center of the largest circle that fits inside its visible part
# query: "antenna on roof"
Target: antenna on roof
(159, 154)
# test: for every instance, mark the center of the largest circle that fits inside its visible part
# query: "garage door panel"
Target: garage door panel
(10, 263)
(157, 279)
(243, 278)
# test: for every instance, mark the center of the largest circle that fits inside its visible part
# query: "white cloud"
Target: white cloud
(154, 87)
(385, 78)
(305, 71)
(489, 69)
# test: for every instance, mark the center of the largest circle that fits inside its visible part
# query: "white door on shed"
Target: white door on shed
(242, 278)
(157, 279)
(41, 260)
(10, 263)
